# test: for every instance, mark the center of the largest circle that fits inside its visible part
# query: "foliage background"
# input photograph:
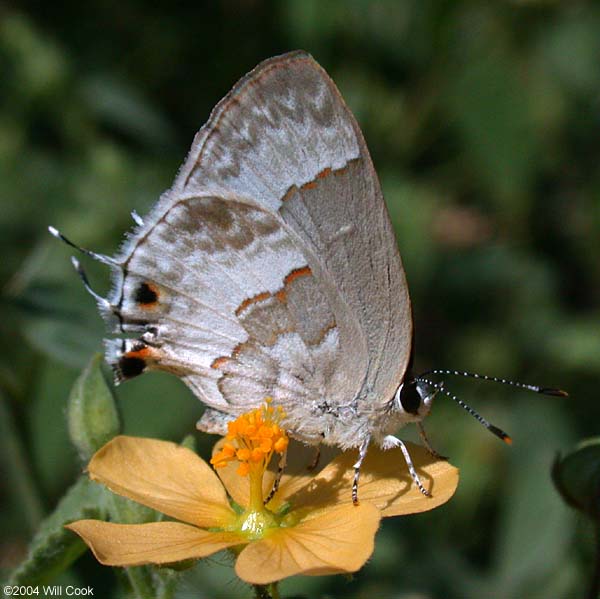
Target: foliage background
(483, 122)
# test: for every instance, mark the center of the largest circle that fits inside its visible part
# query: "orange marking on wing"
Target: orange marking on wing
(148, 355)
(148, 306)
(218, 362)
(143, 353)
(252, 300)
(309, 185)
(293, 189)
(297, 273)
(281, 295)
(322, 175)
(291, 192)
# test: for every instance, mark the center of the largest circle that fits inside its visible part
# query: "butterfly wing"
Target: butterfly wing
(227, 301)
(270, 267)
(285, 137)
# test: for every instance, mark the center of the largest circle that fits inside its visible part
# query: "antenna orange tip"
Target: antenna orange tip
(552, 391)
(507, 440)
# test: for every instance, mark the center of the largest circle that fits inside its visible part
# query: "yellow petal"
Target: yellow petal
(153, 543)
(301, 470)
(340, 539)
(384, 481)
(163, 476)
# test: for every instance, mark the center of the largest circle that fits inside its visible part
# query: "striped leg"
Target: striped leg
(280, 469)
(362, 453)
(390, 441)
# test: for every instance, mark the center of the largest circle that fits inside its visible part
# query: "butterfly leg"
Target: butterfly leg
(425, 441)
(362, 453)
(390, 441)
(315, 460)
(278, 475)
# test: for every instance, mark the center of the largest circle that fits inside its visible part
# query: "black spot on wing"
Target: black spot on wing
(130, 366)
(146, 294)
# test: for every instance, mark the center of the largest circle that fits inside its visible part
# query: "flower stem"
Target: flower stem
(140, 580)
(262, 592)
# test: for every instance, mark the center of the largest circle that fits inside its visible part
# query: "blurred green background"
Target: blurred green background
(483, 120)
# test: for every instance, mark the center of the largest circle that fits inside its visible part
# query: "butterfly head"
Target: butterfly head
(414, 398)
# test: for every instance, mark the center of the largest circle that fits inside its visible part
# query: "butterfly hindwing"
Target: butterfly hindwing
(230, 305)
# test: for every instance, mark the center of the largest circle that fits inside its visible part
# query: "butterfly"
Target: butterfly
(270, 269)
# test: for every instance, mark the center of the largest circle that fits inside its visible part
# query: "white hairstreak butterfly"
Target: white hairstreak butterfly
(270, 269)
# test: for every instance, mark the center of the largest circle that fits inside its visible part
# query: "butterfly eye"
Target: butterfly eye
(410, 398)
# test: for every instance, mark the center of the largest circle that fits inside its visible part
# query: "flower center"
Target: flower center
(251, 440)
(254, 523)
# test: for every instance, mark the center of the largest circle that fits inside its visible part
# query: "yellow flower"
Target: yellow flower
(309, 527)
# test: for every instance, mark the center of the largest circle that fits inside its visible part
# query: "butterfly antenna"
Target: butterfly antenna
(493, 429)
(102, 301)
(99, 257)
(494, 379)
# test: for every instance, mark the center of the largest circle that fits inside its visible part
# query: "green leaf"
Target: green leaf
(54, 548)
(92, 411)
(125, 511)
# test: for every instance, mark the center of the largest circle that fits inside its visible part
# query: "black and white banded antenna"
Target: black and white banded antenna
(493, 429)
(99, 257)
(494, 379)
(103, 303)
